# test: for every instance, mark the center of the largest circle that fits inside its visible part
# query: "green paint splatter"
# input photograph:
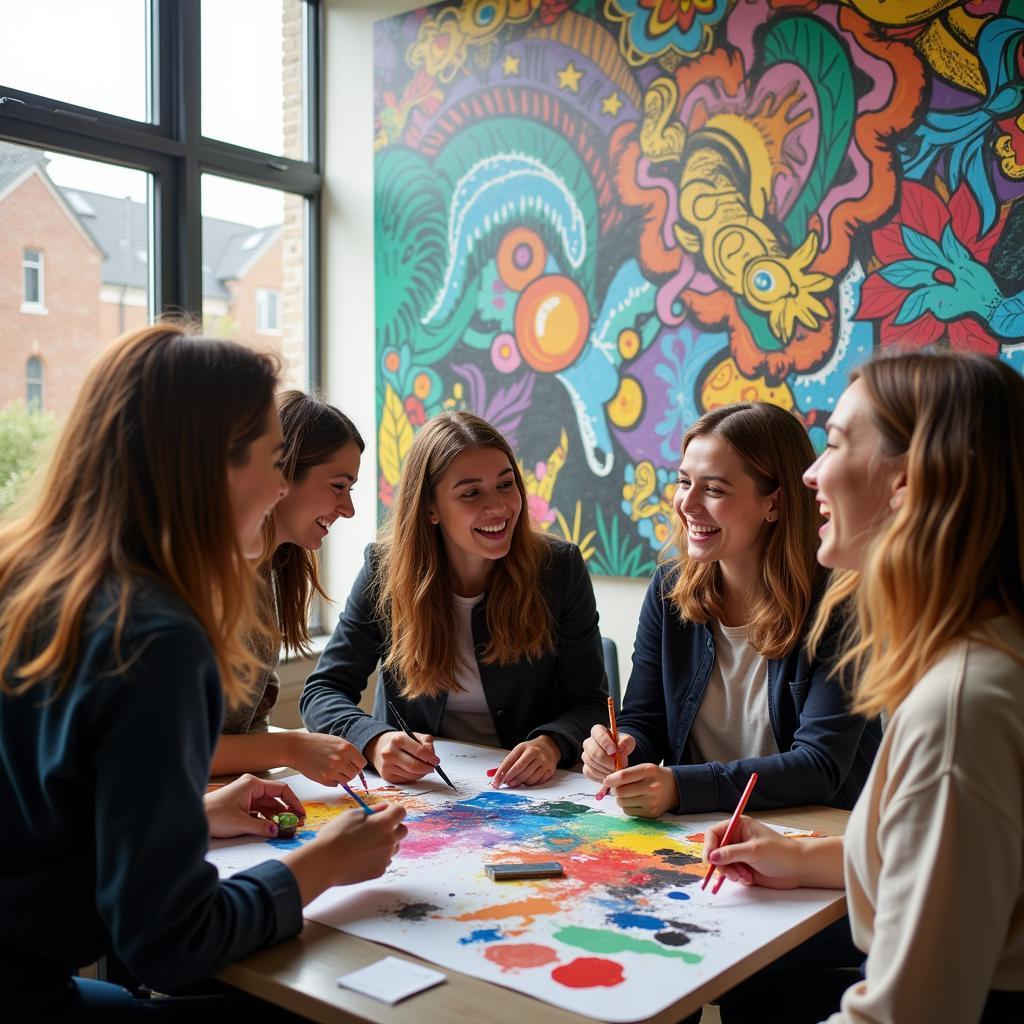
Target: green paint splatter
(595, 940)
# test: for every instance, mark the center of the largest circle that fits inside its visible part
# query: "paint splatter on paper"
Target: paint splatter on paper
(623, 934)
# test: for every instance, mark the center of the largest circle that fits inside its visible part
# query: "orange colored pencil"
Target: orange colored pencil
(614, 730)
(729, 829)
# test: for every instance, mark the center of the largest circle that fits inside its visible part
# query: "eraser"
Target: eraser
(508, 872)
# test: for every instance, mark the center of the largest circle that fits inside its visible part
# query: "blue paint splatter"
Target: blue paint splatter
(625, 919)
(482, 935)
(678, 895)
(294, 843)
(496, 800)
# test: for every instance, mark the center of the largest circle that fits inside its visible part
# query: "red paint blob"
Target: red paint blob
(589, 972)
(491, 772)
(518, 955)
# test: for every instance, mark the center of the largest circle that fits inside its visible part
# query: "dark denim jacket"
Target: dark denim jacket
(562, 694)
(825, 752)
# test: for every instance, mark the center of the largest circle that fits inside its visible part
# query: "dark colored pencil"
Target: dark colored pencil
(408, 732)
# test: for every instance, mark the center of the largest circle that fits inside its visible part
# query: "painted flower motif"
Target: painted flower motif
(542, 514)
(415, 410)
(647, 500)
(505, 353)
(651, 28)
(385, 492)
(933, 270)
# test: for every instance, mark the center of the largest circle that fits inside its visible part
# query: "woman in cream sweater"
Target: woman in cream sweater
(922, 487)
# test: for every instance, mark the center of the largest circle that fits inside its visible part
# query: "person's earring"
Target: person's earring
(434, 520)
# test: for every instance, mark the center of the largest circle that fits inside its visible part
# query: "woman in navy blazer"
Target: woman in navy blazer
(486, 629)
(721, 684)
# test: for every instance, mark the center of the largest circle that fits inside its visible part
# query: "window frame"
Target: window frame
(267, 299)
(38, 304)
(173, 151)
(31, 382)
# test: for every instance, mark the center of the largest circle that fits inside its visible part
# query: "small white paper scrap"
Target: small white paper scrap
(391, 979)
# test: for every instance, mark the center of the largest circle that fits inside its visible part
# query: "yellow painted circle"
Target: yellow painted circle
(629, 343)
(421, 386)
(628, 404)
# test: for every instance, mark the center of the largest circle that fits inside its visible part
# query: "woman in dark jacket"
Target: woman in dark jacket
(486, 629)
(721, 684)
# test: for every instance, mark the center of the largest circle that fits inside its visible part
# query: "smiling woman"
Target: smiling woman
(721, 685)
(319, 450)
(486, 628)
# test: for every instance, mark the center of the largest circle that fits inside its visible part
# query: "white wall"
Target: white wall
(349, 357)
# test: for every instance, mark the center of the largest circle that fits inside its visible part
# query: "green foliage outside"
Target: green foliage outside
(23, 437)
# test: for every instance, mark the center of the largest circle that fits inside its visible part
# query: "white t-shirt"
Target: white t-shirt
(466, 715)
(732, 721)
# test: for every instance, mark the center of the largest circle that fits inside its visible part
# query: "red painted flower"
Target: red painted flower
(385, 492)
(415, 410)
(925, 214)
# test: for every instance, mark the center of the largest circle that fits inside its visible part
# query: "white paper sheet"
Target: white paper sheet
(626, 933)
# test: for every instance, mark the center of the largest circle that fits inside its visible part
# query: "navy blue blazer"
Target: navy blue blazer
(562, 694)
(825, 752)
(105, 782)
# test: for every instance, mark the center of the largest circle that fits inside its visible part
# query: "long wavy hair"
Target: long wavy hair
(957, 539)
(775, 450)
(313, 432)
(137, 487)
(413, 581)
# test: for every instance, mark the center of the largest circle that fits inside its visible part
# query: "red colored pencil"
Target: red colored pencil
(729, 829)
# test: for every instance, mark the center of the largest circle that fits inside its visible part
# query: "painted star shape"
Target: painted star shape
(611, 105)
(569, 78)
(510, 65)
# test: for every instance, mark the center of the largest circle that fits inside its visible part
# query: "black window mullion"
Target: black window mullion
(174, 151)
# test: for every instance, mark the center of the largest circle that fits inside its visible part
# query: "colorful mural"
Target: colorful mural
(596, 220)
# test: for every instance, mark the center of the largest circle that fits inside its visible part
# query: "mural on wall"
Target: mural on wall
(596, 220)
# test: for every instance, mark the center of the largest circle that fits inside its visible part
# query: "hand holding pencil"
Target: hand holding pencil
(600, 750)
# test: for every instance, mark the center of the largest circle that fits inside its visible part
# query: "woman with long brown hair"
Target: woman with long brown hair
(127, 599)
(721, 685)
(320, 462)
(922, 488)
(486, 629)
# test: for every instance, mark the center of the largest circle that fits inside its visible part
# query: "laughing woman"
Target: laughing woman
(721, 686)
(320, 462)
(486, 629)
(923, 484)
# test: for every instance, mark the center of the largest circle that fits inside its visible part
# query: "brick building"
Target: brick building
(74, 274)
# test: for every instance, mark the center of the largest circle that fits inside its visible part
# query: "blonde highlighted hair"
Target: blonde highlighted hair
(775, 450)
(957, 539)
(413, 582)
(137, 488)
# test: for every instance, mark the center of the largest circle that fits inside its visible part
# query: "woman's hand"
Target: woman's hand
(643, 790)
(529, 763)
(599, 752)
(757, 855)
(234, 809)
(399, 758)
(352, 847)
(326, 759)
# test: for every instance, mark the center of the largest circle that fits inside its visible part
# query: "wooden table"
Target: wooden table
(301, 973)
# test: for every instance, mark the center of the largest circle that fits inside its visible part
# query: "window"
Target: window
(255, 286)
(266, 309)
(167, 116)
(34, 384)
(32, 279)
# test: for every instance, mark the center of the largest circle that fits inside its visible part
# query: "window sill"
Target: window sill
(316, 645)
(34, 308)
